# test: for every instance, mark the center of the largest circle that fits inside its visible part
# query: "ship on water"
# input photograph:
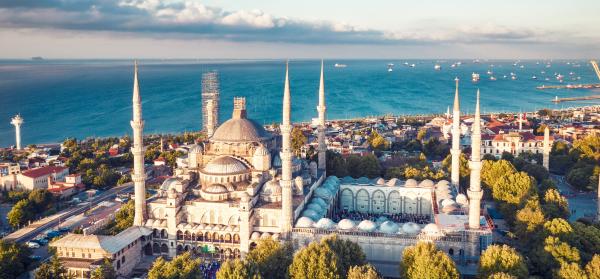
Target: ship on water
(437, 67)
(337, 65)
(475, 77)
(390, 67)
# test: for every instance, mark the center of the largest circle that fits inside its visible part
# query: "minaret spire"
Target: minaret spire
(138, 175)
(475, 193)
(546, 150)
(455, 151)
(321, 108)
(286, 160)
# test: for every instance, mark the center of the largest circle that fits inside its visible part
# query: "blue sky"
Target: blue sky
(299, 29)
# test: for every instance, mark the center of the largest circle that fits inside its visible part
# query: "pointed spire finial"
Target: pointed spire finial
(286, 96)
(456, 100)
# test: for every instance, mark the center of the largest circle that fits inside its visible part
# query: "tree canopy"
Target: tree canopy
(424, 260)
(504, 259)
(363, 272)
(182, 266)
(272, 258)
(238, 269)
(52, 270)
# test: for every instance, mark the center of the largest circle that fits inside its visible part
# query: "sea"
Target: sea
(92, 98)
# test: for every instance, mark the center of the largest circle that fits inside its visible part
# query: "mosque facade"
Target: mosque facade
(243, 183)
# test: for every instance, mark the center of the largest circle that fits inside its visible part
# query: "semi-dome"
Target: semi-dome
(380, 181)
(346, 224)
(305, 222)
(392, 182)
(389, 227)
(325, 224)
(367, 226)
(411, 228)
(215, 189)
(410, 183)
(240, 130)
(225, 165)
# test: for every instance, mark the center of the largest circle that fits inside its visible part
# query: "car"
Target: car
(35, 257)
(64, 229)
(32, 245)
(41, 241)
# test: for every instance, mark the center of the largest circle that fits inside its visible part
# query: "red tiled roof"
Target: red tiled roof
(34, 173)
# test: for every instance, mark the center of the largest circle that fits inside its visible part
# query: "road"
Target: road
(582, 204)
(31, 231)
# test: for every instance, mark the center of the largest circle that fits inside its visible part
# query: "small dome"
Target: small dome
(367, 226)
(442, 186)
(272, 187)
(171, 183)
(410, 183)
(450, 208)
(317, 208)
(319, 201)
(261, 151)
(462, 199)
(265, 235)
(380, 181)
(443, 196)
(311, 214)
(225, 165)
(347, 180)
(325, 224)
(196, 149)
(431, 229)
(323, 193)
(346, 224)
(245, 197)
(276, 160)
(411, 228)
(363, 181)
(426, 183)
(447, 202)
(305, 222)
(392, 182)
(216, 189)
(381, 219)
(443, 182)
(389, 227)
(255, 236)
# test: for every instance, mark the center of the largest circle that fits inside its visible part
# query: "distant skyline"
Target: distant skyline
(299, 29)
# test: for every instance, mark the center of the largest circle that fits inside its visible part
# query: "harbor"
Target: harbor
(571, 99)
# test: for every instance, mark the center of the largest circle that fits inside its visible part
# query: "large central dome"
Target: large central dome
(240, 130)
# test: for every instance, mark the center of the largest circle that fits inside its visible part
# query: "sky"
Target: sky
(509, 29)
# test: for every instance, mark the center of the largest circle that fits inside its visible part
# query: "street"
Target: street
(582, 204)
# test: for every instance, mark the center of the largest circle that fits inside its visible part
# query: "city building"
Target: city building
(243, 184)
(67, 188)
(8, 176)
(38, 178)
(514, 143)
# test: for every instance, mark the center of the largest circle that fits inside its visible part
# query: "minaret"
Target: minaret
(475, 193)
(210, 121)
(322, 148)
(139, 175)
(520, 121)
(547, 147)
(455, 151)
(17, 121)
(286, 161)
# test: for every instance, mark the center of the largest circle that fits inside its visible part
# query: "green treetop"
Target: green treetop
(424, 260)
(504, 259)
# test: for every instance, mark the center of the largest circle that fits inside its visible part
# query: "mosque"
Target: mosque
(243, 184)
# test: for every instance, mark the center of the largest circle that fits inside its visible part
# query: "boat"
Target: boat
(337, 65)
(513, 77)
(437, 67)
(533, 77)
(390, 67)
(412, 65)
(475, 77)
(489, 72)
(522, 66)
(560, 77)
(492, 78)
(453, 66)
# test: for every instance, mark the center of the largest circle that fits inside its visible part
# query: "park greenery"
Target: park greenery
(37, 203)
(104, 271)
(182, 266)
(580, 163)
(52, 269)
(123, 219)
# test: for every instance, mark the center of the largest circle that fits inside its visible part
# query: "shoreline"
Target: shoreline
(356, 119)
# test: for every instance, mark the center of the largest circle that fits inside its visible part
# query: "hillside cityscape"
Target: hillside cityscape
(258, 166)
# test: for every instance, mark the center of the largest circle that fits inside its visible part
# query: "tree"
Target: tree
(183, 266)
(464, 170)
(558, 227)
(588, 148)
(20, 213)
(570, 271)
(503, 259)
(528, 221)
(14, 259)
(370, 166)
(562, 252)
(298, 140)
(271, 257)
(353, 165)
(424, 260)
(52, 270)
(513, 188)
(501, 275)
(586, 238)
(377, 142)
(41, 199)
(104, 271)
(592, 268)
(555, 205)
(363, 272)
(316, 261)
(348, 252)
(536, 171)
(492, 171)
(238, 269)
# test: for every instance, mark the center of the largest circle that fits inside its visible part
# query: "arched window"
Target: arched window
(451, 252)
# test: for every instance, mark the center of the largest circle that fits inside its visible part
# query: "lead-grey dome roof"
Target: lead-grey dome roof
(240, 130)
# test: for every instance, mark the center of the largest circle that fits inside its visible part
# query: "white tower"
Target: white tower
(139, 175)
(321, 108)
(547, 147)
(17, 121)
(286, 161)
(475, 193)
(455, 151)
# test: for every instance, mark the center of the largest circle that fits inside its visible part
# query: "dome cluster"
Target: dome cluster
(382, 225)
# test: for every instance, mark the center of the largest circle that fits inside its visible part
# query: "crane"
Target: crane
(595, 66)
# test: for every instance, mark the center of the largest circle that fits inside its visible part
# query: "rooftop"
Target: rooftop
(39, 172)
